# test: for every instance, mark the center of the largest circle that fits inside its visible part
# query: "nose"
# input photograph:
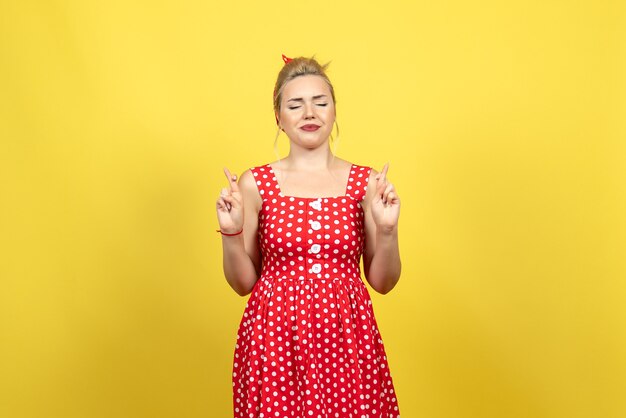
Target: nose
(308, 111)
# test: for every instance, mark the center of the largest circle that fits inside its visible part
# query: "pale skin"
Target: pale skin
(308, 171)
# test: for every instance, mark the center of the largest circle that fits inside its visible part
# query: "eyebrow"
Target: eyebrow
(299, 99)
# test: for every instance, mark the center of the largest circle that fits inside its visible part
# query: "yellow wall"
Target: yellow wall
(505, 127)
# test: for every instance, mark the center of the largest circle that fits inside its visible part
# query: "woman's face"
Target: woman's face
(307, 111)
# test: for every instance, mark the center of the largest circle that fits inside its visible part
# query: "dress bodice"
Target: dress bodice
(311, 238)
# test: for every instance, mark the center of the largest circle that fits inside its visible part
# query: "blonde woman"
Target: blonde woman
(293, 234)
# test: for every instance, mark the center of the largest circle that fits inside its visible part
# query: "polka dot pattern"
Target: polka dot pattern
(308, 344)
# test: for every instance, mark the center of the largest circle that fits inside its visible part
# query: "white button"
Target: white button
(315, 225)
(315, 248)
(316, 268)
(316, 204)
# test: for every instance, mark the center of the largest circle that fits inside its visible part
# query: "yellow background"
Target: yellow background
(504, 125)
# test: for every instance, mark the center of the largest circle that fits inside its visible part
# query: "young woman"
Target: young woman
(293, 233)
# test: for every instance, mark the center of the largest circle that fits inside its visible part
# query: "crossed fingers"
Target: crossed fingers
(384, 189)
(226, 195)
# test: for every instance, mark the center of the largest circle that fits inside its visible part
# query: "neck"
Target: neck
(302, 159)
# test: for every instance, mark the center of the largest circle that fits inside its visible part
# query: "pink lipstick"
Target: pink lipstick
(310, 128)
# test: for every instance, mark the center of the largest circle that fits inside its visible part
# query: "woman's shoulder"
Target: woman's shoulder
(370, 189)
(259, 167)
(248, 187)
(257, 172)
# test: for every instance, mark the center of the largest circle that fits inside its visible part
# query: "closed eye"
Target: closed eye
(297, 107)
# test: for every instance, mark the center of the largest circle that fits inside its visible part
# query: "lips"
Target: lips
(310, 128)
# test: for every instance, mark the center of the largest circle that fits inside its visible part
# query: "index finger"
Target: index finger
(232, 180)
(383, 173)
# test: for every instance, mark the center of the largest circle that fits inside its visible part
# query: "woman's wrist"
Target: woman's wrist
(387, 229)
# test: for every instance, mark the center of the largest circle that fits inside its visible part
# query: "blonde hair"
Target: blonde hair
(297, 67)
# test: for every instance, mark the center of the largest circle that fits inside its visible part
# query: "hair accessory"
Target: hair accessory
(229, 235)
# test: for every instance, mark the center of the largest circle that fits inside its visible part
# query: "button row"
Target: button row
(316, 226)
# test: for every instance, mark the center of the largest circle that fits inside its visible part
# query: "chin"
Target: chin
(311, 144)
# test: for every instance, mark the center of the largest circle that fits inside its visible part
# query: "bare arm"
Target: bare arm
(241, 255)
(381, 256)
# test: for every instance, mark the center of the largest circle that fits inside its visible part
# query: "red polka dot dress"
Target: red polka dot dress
(308, 344)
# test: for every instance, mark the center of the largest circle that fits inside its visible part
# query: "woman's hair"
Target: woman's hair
(295, 68)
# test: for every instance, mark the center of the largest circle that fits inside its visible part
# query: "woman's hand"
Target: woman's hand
(230, 206)
(386, 203)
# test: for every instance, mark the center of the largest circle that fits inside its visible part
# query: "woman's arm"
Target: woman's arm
(241, 255)
(381, 255)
